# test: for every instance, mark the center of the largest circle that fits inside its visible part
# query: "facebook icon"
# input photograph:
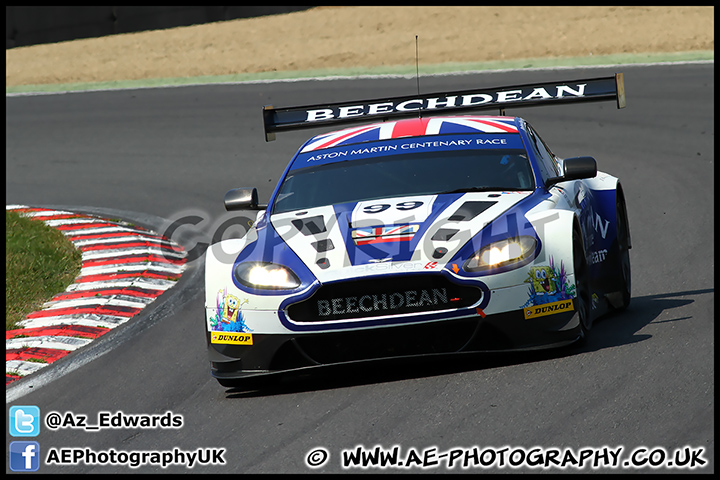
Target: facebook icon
(24, 456)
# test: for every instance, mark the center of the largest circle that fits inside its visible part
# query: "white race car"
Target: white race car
(426, 232)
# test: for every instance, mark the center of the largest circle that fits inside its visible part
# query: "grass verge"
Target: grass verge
(39, 263)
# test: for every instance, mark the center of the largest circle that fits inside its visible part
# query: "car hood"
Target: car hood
(392, 235)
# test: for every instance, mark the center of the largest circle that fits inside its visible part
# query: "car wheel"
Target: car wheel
(623, 236)
(229, 383)
(582, 284)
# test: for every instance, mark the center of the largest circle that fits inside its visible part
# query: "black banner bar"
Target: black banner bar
(311, 116)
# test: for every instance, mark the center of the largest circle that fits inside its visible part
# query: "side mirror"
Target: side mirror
(575, 168)
(242, 199)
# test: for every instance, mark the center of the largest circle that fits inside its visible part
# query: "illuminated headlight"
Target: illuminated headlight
(501, 254)
(268, 276)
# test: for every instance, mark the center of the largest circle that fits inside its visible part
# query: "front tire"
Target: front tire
(624, 245)
(583, 300)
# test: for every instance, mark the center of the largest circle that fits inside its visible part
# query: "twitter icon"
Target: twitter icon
(24, 421)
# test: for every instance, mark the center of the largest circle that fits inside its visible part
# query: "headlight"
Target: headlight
(266, 276)
(501, 254)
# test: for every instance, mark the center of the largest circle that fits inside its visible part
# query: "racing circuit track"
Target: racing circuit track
(645, 378)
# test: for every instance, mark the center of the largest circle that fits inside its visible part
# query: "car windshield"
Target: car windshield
(402, 175)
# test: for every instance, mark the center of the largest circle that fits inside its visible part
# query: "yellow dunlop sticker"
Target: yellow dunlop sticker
(231, 338)
(549, 309)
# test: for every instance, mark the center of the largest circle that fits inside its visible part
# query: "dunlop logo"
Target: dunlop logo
(549, 309)
(231, 338)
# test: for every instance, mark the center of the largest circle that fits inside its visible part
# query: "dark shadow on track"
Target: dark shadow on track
(621, 329)
(610, 331)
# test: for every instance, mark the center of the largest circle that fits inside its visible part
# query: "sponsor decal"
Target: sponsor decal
(448, 102)
(594, 89)
(590, 220)
(548, 284)
(543, 280)
(452, 143)
(384, 265)
(494, 137)
(228, 314)
(595, 221)
(384, 302)
(231, 338)
(598, 256)
(549, 309)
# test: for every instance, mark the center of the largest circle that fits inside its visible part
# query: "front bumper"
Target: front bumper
(509, 331)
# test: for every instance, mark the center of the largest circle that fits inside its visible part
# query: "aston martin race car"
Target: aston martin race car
(426, 230)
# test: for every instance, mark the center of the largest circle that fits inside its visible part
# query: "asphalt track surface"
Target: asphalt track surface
(645, 378)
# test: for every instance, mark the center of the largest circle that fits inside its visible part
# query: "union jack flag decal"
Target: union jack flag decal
(412, 127)
(401, 233)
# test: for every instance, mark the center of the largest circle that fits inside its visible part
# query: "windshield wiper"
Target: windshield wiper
(472, 189)
(485, 189)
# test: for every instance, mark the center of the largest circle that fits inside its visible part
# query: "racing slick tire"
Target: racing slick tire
(624, 245)
(582, 283)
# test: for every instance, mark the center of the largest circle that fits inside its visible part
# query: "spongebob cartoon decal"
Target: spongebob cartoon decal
(228, 314)
(548, 284)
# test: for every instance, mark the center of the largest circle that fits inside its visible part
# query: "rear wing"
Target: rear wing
(312, 116)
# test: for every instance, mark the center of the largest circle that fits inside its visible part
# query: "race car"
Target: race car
(428, 230)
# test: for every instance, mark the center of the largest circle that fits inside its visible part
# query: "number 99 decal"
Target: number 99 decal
(393, 211)
(402, 206)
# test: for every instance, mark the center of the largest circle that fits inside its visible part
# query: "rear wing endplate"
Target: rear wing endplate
(312, 116)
